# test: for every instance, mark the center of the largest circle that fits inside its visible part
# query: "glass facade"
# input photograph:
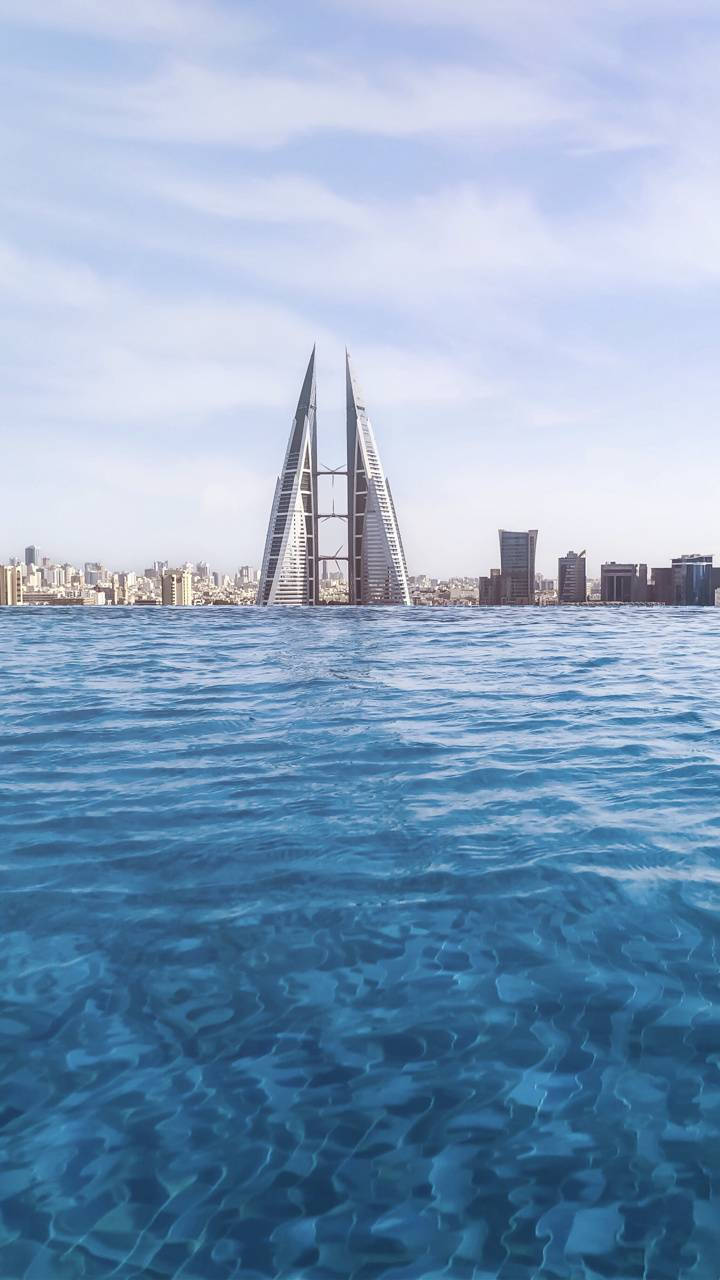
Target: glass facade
(693, 581)
(517, 565)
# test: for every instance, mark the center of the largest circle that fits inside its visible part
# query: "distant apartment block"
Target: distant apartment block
(572, 581)
(11, 584)
(692, 580)
(623, 583)
(517, 566)
(177, 587)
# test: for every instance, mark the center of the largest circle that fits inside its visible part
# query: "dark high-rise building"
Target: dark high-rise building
(623, 583)
(32, 555)
(517, 566)
(290, 564)
(572, 583)
(693, 580)
(660, 590)
(489, 588)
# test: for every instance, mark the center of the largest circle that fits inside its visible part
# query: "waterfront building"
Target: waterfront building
(376, 559)
(177, 587)
(289, 573)
(660, 590)
(489, 589)
(11, 584)
(517, 566)
(572, 583)
(692, 578)
(623, 583)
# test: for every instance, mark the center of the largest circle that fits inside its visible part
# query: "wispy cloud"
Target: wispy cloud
(188, 102)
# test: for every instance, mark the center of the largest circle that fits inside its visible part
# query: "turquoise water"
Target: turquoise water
(348, 943)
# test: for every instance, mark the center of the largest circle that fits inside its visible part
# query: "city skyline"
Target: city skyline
(543, 570)
(690, 580)
(493, 205)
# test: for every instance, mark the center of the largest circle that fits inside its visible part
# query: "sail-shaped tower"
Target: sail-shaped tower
(377, 572)
(290, 564)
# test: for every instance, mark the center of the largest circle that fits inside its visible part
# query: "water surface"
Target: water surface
(360, 943)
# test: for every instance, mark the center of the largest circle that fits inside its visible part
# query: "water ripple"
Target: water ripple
(360, 943)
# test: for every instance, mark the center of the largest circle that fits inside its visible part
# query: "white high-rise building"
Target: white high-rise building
(11, 584)
(289, 572)
(377, 569)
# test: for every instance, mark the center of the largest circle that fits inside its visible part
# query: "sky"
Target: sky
(508, 210)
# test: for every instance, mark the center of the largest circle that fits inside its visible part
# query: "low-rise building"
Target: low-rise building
(660, 590)
(623, 583)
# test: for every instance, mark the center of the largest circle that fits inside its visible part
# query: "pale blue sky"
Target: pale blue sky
(508, 209)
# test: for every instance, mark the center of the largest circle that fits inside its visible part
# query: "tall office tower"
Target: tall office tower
(32, 555)
(377, 572)
(177, 587)
(289, 572)
(517, 566)
(572, 584)
(623, 583)
(11, 584)
(693, 580)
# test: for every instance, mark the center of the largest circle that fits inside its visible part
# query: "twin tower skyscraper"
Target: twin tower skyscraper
(377, 572)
